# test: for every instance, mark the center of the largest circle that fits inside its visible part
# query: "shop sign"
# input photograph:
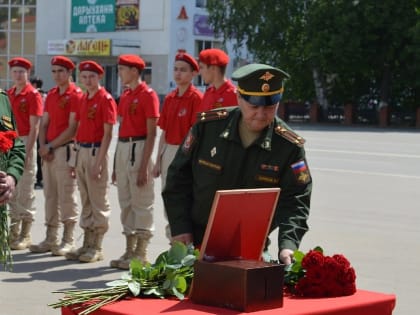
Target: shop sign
(92, 16)
(80, 47)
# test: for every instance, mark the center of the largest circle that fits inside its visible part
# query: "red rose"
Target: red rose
(313, 258)
(342, 261)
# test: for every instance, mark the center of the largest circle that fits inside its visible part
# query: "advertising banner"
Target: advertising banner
(91, 16)
(80, 47)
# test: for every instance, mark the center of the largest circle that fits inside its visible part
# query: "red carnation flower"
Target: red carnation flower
(6, 140)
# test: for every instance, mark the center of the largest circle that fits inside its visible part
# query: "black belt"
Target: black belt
(89, 144)
(131, 139)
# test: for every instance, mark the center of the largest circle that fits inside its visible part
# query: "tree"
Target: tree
(344, 49)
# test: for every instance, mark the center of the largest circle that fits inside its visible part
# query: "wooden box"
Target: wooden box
(244, 285)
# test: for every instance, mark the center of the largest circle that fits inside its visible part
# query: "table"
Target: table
(361, 303)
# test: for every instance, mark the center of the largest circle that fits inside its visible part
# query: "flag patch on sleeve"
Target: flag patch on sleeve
(301, 171)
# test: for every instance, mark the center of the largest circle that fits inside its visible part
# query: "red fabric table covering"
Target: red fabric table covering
(361, 303)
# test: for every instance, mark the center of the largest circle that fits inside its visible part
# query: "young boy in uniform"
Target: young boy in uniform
(96, 117)
(178, 114)
(221, 91)
(26, 104)
(58, 128)
(138, 111)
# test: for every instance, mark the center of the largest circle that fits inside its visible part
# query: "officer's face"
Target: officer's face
(256, 118)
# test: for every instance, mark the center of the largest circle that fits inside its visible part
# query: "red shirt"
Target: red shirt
(93, 114)
(179, 114)
(59, 106)
(134, 108)
(224, 96)
(27, 103)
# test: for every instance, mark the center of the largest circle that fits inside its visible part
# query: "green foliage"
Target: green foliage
(356, 45)
(170, 275)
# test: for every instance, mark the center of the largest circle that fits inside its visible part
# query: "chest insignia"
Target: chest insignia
(213, 152)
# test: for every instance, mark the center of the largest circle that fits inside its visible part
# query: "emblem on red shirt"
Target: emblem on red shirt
(133, 107)
(63, 102)
(23, 106)
(92, 112)
(182, 112)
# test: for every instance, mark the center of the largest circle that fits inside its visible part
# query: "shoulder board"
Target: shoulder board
(290, 135)
(3, 92)
(212, 115)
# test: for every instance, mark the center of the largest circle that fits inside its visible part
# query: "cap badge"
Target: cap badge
(267, 76)
(265, 87)
(213, 152)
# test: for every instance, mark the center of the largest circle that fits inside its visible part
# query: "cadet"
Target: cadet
(58, 128)
(138, 111)
(221, 91)
(27, 105)
(178, 114)
(241, 147)
(96, 117)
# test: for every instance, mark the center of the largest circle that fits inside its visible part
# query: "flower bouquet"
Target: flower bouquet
(315, 275)
(170, 275)
(6, 143)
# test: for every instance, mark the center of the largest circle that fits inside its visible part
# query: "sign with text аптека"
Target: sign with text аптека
(92, 16)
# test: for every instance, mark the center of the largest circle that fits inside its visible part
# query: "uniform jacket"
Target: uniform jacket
(15, 157)
(212, 158)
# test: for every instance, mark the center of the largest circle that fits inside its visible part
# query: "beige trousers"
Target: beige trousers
(59, 188)
(22, 203)
(136, 202)
(167, 158)
(93, 192)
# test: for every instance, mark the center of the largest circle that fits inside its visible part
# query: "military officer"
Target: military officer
(12, 161)
(241, 147)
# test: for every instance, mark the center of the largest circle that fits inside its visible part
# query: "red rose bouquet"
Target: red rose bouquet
(315, 275)
(6, 143)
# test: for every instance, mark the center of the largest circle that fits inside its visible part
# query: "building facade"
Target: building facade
(102, 30)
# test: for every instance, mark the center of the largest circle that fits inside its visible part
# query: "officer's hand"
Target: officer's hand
(185, 238)
(7, 187)
(286, 256)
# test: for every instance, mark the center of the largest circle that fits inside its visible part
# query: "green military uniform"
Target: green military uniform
(221, 162)
(14, 159)
(213, 157)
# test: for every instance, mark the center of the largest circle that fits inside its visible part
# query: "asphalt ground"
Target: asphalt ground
(365, 205)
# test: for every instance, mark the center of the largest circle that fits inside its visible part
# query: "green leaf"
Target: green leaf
(154, 291)
(136, 268)
(180, 284)
(117, 283)
(319, 249)
(178, 294)
(189, 260)
(134, 287)
(298, 255)
(167, 284)
(177, 252)
(126, 276)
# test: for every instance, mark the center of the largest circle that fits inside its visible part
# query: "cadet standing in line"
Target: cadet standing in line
(58, 128)
(178, 114)
(241, 147)
(27, 105)
(221, 91)
(96, 117)
(138, 111)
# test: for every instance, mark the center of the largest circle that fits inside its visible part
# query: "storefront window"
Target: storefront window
(17, 34)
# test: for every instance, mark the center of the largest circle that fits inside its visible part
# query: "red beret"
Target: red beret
(214, 56)
(188, 59)
(62, 61)
(90, 65)
(131, 61)
(20, 62)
